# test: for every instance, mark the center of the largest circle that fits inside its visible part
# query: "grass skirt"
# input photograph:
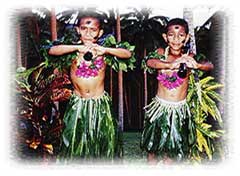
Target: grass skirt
(168, 128)
(90, 129)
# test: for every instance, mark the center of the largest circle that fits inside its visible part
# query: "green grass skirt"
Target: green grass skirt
(168, 128)
(90, 130)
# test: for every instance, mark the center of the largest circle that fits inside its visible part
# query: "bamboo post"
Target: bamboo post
(145, 87)
(145, 82)
(111, 82)
(120, 79)
(188, 16)
(19, 52)
(54, 37)
(53, 24)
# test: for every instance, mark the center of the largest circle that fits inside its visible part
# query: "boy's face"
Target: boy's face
(89, 30)
(176, 37)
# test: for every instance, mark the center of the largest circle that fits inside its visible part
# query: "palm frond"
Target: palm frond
(202, 100)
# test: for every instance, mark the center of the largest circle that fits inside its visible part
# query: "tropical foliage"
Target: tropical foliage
(116, 63)
(139, 27)
(62, 62)
(37, 90)
(203, 98)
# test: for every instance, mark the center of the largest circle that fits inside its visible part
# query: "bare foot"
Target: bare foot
(152, 159)
(167, 160)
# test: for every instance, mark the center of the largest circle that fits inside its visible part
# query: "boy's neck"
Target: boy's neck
(88, 43)
(175, 52)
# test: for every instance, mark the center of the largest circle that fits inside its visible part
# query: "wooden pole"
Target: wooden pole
(112, 15)
(19, 52)
(188, 16)
(120, 80)
(145, 82)
(111, 82)
(54, 37)
(53, 24)
(145, 88)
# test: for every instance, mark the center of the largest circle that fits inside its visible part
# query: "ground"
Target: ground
(132, 153)
(131, 148)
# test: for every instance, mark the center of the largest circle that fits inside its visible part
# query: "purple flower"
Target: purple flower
(170, 81)
(91, 70)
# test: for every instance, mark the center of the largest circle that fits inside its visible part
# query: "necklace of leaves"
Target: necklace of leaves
(84, 70)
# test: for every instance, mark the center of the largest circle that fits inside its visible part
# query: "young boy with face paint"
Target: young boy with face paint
(90, 128)
(168, 122)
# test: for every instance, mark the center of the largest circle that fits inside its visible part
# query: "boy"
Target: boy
(168, 123)
(90, 128)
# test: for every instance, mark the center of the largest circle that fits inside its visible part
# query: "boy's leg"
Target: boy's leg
(167, 160)
(151, 158)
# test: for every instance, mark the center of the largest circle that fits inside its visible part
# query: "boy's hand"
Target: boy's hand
(188, 60)
(175, 64)
(98, 50)
(95, 49)
(84, 48)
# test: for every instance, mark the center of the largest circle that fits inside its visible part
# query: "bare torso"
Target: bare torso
(91, 87)
(177, 94)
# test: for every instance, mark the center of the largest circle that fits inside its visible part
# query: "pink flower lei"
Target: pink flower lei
(91, 70)
(168, 81)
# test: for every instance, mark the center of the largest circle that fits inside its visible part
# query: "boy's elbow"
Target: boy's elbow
(50, 51)
(54, 51)
(149, 63)
(128, 54)
(210, 66)
(125, 55)
(153, 63)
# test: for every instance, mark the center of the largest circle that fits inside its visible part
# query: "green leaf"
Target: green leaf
(202, 144)
(202, 101)
(213, 87)
(110, 41)
(63, 61)
(117, 63)
(151, 55)
(206, 80)
(214, 95)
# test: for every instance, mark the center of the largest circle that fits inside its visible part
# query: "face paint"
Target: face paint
(88, 22)
(176, 37)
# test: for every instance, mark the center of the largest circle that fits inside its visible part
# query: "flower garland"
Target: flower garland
(168, 81)
(65, 61)
(84, 70)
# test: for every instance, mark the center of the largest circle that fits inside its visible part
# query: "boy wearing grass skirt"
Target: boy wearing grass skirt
(90, 129)
(169, 130)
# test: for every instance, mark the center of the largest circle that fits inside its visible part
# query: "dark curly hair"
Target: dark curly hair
(177, 21)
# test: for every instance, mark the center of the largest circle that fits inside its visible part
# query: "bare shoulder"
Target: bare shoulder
(160, 51)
